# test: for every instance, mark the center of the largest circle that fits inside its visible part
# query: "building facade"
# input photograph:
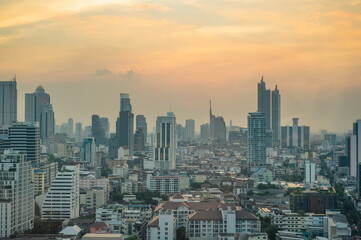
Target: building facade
(8, 102)
(62, 201)
(16, 194)
(257, 139)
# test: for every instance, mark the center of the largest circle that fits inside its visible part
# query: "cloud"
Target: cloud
(102, 72)
(128, 74)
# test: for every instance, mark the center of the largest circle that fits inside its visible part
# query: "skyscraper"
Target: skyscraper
(217, 127)
(98, 132)
(139, 140)
(181, 132)
(264, 102)
(190, 129)
(276, 116)
(88, 151)
(78, 132)
(205, 131)
(8, 102)
(310, 176)
(47, 122)
(141, 121)
(124, 135)
(354, 151)
(257, 139)
(39, 109)
(164, 152)
(105, 123)
(24, 137)
(16, 194)
(295, 136)
(70, 128)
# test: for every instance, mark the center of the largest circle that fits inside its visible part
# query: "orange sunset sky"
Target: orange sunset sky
(179, 54)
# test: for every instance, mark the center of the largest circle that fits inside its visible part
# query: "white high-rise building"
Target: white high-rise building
(16, 194)
(63, 199)
(310, 172)
(8, 102)
(164, 152)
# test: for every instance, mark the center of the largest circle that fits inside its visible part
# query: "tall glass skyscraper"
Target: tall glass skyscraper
(39, 109)
(264, 102)
(8, 102)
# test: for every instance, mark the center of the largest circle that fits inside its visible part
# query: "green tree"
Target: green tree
(271, 231)
(181, 233)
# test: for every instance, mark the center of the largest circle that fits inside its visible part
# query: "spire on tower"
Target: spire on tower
(262, 79)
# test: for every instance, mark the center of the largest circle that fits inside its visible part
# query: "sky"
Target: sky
(176, 55)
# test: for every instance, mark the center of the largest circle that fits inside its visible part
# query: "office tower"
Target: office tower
(190, 129)
(78, 132)
(98, 132)
(205, 131)
(312, 201)
(139, 140)
(164, 152)
(264, 102)
(47, 121)
(276, 116)
(39, 109)
(105, 123)
(181, 132)
(24, 137)
(16, 194)
(88, 151)
(295, 136)
(257, 138)
(8, 102)
(310, 172)
(70, 128)
(217, 126)
(141, 121)
(124, 135)
(330, 138)
(353, 150)
(62, 199)
(87, 133)
(269, 138)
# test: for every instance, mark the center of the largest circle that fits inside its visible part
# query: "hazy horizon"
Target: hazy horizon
(182, 54)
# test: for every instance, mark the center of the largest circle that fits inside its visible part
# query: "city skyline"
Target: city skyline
(164, 52)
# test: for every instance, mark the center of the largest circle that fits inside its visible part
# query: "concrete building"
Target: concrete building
(62, 201)
(310, 169)
(256, 139)
(202, 220)
(163, 154)
(276, 116)
(70, 132)
(88, 151)
(295, 136)
(98, 131)
(163, 184)
(190, 129)
(217, 126)
(24, 137)
(264, 103)
(204, 131)
(8, 102)
(16, 194)
(141, 122)
(78, 132)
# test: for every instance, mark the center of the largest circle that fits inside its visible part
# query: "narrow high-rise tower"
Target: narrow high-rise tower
(8, 102)
(264, 102)
(257, 139)
(276, 116)
(217, 126)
